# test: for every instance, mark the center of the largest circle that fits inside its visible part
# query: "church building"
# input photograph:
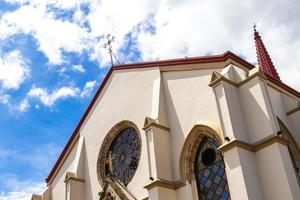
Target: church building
(208, 128)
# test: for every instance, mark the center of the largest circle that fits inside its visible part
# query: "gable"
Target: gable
(175, 64)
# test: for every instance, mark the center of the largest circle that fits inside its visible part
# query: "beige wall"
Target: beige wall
(179, 99)
(242, 175)
(257, 109)
(189, 99)
(124, 100)
(276, 173)
(282, 104)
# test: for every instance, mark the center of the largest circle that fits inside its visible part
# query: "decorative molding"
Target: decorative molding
(74, 179)
(253, 147)
(164, 184)
(36, 197)
(293, 111)
(236, 143)
(222, 78)
(149, 122)
(117, 189)
(190, 146)
(110, 136)
(71, 176)
(215, 76)
(269, 141)
(187, 61)
(279, 86)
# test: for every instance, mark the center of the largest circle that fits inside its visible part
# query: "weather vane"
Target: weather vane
(108, 45)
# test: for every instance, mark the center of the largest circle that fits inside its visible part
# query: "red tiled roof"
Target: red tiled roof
(263, 57)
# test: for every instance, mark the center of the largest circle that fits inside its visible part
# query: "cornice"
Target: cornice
(293, 111)
(253, 147)
(164, 184)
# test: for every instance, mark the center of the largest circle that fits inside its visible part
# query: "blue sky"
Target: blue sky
(52, 60)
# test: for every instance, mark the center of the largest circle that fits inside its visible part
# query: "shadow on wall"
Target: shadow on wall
(187, 94)
(87, 179)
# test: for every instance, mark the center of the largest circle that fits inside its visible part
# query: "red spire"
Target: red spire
(263, 57)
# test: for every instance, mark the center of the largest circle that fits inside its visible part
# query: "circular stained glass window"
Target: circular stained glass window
(124, 155)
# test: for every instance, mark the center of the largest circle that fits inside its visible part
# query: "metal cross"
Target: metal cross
(108, 45)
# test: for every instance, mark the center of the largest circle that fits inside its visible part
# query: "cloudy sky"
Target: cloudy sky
(52, 60)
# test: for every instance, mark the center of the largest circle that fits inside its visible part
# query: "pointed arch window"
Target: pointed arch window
(210, 172)
(294, 151)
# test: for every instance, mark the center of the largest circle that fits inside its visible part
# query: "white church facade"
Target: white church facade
(213, 127)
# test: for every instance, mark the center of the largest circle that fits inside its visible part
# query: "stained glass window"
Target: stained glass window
(294, 153)
(125, 153)
(210, 172)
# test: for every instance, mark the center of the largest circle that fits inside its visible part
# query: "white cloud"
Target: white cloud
(162, 29)
(24, 105)
(88, 89)
(48, 99)
(212, 27)
(18, 189)
(13, 108)
(78, 68)
(53, 35)
(4, 98)
(13, 70)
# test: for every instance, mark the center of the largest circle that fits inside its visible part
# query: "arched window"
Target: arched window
(293, 148)
(210, 172)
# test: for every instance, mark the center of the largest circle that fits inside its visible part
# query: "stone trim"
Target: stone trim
(71, 176)
(253, 147)
(222, 78)
(164, 184)
(74, 179)
(217, 80)
(153, 124)
(190, 146)
(269, 141)
(110, 136)
(149, 122)
(293, 111)
(36, 197)
(236, 143)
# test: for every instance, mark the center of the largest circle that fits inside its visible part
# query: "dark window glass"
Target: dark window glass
(210, 172)
(125, 151)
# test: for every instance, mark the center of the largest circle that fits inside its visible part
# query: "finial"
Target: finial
(255, 31)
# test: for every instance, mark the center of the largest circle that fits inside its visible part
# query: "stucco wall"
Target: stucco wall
(189, 99)
(279, 101)
(257, 110)
(129, 97)
(180, 99)
(276, 173)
